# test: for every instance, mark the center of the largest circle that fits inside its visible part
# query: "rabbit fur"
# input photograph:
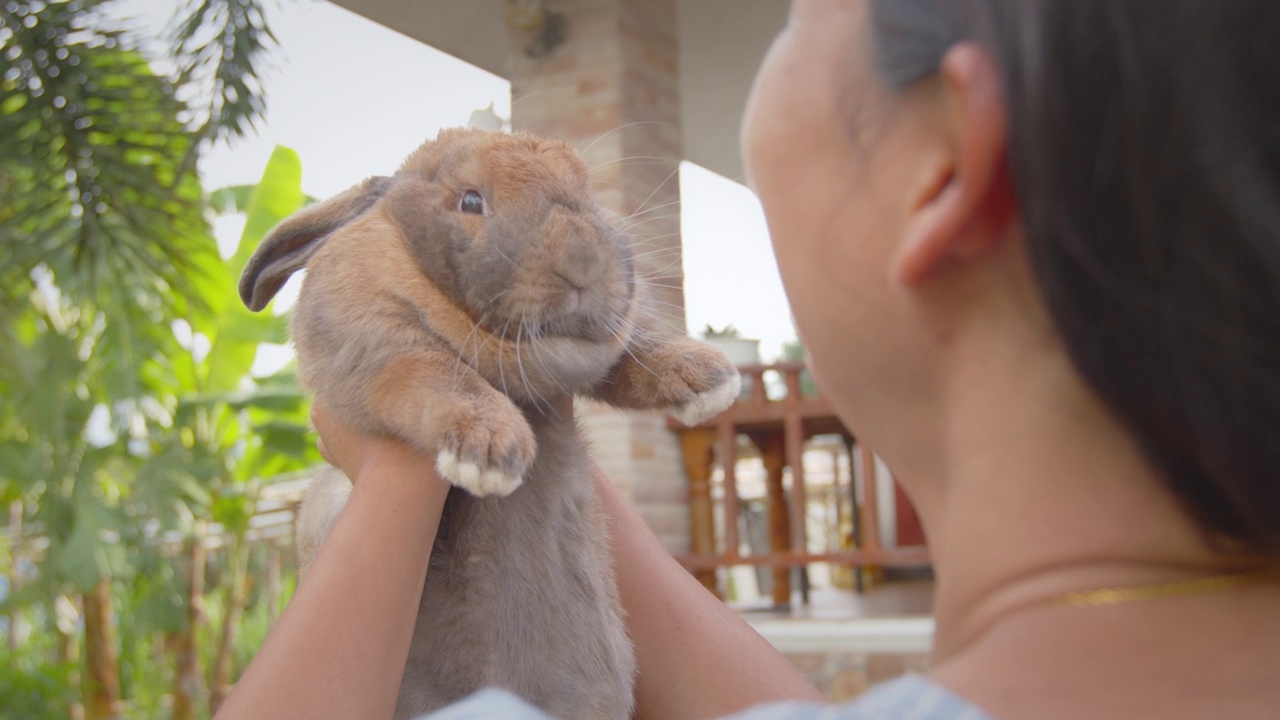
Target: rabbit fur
(449, 305)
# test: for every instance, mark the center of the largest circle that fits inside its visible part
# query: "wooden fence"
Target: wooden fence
(778, 417)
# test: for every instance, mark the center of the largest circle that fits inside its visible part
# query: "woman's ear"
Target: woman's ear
(966, 199)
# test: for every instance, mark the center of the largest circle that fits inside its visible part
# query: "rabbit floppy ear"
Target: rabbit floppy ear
(289, 246)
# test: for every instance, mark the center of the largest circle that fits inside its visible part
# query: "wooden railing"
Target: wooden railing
(779, 428)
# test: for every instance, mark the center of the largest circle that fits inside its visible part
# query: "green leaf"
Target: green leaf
(276, 399)
(92, 161)
(277, 196)
(234, 512)
(88, 555)
(284, 437)
(159, 604)
(230, 200)
(235, 331)
(194, 492)
(16, 461)
(235, 345)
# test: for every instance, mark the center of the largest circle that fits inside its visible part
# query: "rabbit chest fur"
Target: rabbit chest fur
(450, 305)
(520, 595)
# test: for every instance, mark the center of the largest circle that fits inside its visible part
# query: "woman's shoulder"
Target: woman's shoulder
(910, 697)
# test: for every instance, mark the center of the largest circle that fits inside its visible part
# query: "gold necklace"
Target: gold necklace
(1157, 591)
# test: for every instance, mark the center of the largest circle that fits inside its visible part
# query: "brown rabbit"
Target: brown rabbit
(450, 305)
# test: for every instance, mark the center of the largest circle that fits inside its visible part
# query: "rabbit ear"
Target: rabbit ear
(289, 246)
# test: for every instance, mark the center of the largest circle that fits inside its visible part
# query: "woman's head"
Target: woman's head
(1141, 167)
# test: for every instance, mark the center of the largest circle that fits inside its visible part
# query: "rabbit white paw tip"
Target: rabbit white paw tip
(477, 480)
(706, 405)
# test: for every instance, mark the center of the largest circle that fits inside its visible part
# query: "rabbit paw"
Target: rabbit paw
(487, 455)
(708, 403)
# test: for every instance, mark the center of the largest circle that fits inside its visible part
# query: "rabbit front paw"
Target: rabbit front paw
(707, 403)
(487, 455)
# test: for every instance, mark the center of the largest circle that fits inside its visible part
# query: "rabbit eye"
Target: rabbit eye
(472, 202)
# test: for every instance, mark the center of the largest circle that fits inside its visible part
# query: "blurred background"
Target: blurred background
(153, 437)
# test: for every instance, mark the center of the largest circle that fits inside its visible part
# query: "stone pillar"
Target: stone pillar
(608, 85)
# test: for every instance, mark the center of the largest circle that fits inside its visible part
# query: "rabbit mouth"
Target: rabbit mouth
(592, 314)
(576, 326)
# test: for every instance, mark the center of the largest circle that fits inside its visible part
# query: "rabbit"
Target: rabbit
(451, 304)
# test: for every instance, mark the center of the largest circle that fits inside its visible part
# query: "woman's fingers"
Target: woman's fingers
(343, 441)
(318, 419)
(350, 448)
(324, 451)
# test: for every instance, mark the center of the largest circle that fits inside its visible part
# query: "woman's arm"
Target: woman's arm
(339, 648)
(697, 658)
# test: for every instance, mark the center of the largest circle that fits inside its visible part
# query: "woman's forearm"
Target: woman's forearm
(339, 649)
(697, 658)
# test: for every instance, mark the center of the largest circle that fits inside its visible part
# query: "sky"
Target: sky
(353, 98)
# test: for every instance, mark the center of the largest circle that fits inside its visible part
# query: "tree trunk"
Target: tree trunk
(102, 662)
(188, 678)
(233, 610)
(15, 560)
(66, 652)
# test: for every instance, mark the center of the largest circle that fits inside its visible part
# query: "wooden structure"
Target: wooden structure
(779, 429)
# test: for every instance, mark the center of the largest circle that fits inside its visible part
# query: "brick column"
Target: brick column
(611, 90)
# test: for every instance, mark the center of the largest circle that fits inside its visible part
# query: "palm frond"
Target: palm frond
(221, 45)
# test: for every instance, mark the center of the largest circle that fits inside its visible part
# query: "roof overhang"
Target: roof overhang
(721, 44)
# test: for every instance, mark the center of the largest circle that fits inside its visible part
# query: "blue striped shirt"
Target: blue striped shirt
(908, 698)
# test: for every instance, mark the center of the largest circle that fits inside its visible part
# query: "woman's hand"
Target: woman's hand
(357, 452)
(338, 651)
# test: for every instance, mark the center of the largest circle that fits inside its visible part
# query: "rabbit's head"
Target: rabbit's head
(507, 228)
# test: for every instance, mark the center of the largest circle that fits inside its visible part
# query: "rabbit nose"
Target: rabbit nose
(580, 267)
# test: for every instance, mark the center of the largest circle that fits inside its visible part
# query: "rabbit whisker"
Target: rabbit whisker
(620, 128)
(524, 378)
(664, 278)
(656, 259)
(462, 351)
(630, 223)
(643, 334)
(640, 211)
(634, 217)
(659, 251)
(642, 232)
(644, 217)
(641, 237)
(641, 242)
(502, 377)
(654, 302)
(627, 348)
(657, 268)
(658, 160)
(493, 300)
(559, 88)
(655, 192)
(535, 332)
(653, 281)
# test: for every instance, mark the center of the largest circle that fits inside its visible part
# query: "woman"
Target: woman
(1033, 247)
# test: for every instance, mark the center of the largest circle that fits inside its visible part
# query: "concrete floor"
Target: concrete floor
(894, 617)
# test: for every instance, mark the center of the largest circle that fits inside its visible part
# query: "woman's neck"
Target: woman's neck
(1044, 493)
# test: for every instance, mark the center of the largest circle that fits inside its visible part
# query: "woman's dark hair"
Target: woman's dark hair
(1145, 149)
